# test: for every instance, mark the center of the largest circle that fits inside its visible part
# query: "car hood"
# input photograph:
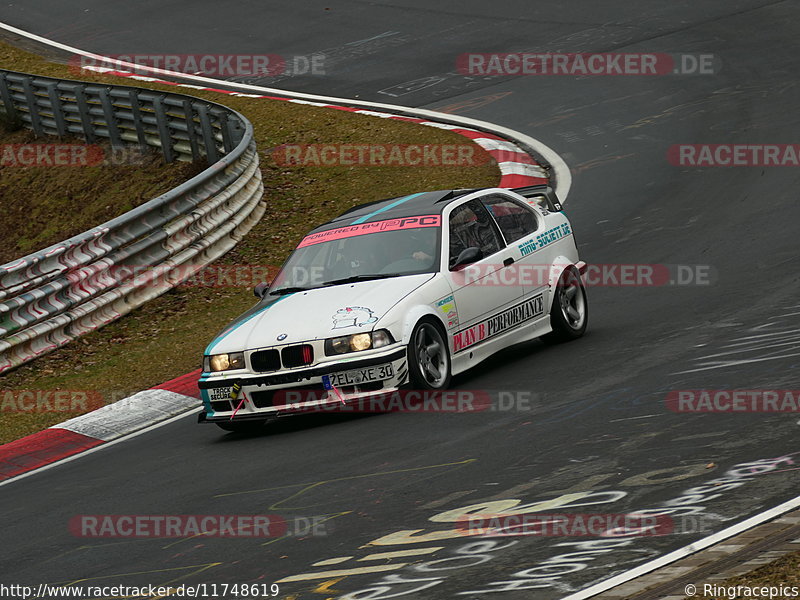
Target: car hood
(315, 314)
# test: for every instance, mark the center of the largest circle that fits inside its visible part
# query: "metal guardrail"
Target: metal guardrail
(57, 294)
(184, 128)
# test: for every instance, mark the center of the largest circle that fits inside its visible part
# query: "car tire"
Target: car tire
(242, 426)
(569, 312)
(429, 362)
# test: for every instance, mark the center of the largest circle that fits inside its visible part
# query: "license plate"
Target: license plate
(358, 376)
(215, 394)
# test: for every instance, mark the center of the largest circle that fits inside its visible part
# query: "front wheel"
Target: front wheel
(428, 358)
(569, 313)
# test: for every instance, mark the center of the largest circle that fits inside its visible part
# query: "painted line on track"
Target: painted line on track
(100, 446)
(675, 555)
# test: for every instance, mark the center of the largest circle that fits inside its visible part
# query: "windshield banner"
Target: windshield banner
(366, 228)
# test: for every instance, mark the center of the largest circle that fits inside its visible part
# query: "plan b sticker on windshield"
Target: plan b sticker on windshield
(366, 228)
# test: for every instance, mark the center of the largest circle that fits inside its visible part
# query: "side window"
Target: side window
(515, 220)
(471, 226)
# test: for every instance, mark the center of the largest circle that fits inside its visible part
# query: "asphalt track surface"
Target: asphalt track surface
(599, 421)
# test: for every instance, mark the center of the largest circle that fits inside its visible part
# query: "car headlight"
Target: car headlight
(357, 342)
(381, 338)
(338, 345)
(360, 341)
(223, 362)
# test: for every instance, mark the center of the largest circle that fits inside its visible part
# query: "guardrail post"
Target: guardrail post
(56, 107)
(191, 131)
(5, 96)
(33, 106)
(163, 129)
(111, 119)
(83, 111)
(228, 133)
(136, 111)
(209, 141)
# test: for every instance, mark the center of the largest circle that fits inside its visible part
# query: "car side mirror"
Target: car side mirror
(466, 257)
(261, 289)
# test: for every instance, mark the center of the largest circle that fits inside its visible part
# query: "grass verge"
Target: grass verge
(166, 338)
(783, 572)
(39, 201)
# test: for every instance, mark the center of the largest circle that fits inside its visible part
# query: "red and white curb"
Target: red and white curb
(106, 424)
(517, 167)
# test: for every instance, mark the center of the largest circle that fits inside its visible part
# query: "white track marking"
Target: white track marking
(662, 561)
(130, 414)
(102, 446)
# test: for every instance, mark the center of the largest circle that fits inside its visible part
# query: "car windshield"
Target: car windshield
(359, 253)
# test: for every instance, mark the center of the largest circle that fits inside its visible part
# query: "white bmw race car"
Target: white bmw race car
(398, 294)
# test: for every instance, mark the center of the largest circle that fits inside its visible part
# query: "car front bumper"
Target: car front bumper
(299, 390)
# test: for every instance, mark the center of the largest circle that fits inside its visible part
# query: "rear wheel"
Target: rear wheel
(569, 313)
(428, 357)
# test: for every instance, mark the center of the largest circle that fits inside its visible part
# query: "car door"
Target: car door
(486, 288)
(521, 224)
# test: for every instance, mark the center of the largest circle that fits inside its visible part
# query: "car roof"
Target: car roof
(421, 203)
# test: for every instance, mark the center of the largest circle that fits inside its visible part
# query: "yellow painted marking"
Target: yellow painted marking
(310, 486)
(272, 541)
(102, 545)
(473, 103)
(332, 516)
(401, 553)
(331, 561)
(444, 500)
(599, 162)
(186, 539)
(325, 586)
(277, 539)
(170, 592)
(341, 573)
(199, 569)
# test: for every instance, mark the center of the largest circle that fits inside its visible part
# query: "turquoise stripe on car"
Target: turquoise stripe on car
(387, 207)
(224, 334)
